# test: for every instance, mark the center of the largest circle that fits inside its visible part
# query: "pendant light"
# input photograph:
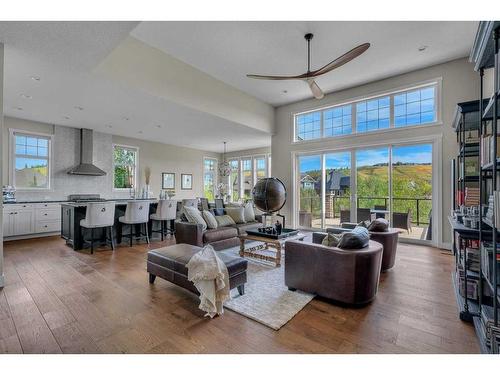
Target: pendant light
(224, 167)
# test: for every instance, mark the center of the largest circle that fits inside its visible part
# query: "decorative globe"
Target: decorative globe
(269, 194)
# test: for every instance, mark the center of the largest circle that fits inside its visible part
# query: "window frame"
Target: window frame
(253, 158)
(436, 83)
(136, 166)
(13, 156)
(215, 172)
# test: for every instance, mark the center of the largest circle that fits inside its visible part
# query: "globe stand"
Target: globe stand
(265, 215)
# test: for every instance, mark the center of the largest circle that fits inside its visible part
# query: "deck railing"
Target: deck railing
(419, 207)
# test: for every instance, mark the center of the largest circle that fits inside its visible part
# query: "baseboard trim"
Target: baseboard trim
(445, 245)
(29, 236)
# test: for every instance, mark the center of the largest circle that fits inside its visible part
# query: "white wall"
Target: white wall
(66, 145)
(459, 83)
(1, 166)
(137, 64)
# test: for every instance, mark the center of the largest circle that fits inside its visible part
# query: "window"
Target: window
(309, 126)
(373, 114)
(410, 107)
(260, 167)
(234, 179)
(415, 107)
(31, 161)
(124, 167)
(247, 177)
(337, 121)
(209, 178)
(245, 172)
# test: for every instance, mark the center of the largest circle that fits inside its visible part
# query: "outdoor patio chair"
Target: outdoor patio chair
(402, 220)
(380, 215)
(345, 216)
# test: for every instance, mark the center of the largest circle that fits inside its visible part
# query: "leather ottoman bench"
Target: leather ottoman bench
(169, 263)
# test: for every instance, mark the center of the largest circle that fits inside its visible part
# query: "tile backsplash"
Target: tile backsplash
(66, 154)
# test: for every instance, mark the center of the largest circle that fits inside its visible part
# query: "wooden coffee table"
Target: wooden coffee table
(277, 245)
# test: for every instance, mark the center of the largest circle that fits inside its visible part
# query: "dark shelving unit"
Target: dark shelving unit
(485, 54)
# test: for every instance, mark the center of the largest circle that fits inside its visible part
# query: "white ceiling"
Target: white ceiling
(230, 50)
(65, 54)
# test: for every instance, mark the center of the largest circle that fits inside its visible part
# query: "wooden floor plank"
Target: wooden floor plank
(57, 299)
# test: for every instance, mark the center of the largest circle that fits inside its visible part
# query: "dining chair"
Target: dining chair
(136, 213)
(99, 215)
(165, 212)
(219, 207)
(204, 204)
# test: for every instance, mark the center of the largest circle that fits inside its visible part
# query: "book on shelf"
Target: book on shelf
(487, 259)
(471, 166)
(491, 332)
(487, 154)
(471, 196)
(472, 284)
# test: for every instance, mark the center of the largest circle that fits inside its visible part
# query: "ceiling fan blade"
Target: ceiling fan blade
(316, 91)
(276, 78)
(344, 59)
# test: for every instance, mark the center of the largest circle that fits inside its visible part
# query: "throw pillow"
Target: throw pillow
(249, 213)
(237, 214)
(210, 219)
(224, 221)
(355, 239)
(331, 240)
(193, 215)
(379, 225)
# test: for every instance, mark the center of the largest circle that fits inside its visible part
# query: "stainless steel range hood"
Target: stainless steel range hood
(86, 166)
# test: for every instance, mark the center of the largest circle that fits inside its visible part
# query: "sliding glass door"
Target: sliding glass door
(412, 190)
(372, 183)
(337, 188)
(392, 182)
(310, 191)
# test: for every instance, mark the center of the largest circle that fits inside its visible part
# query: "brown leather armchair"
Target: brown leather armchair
(347, 276)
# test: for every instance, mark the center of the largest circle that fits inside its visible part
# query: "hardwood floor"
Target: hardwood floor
(58, 300)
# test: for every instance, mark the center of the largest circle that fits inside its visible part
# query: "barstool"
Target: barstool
(136, 213)
(165, 212)
(99, 215)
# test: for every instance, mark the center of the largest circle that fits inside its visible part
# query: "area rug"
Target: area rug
(266, 300)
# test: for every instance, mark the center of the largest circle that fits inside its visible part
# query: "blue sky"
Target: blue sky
(419, 154)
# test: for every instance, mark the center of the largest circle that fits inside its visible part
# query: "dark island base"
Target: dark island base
(72, 232)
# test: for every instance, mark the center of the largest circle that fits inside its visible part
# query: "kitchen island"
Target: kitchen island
(73, 212)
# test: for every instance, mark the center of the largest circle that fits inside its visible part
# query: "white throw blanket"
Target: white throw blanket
(209, 275)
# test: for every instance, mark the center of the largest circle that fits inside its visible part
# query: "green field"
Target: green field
(409, 181)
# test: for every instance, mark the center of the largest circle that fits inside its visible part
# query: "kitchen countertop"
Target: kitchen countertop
(37, 201)
(117, 202)
(65, 201)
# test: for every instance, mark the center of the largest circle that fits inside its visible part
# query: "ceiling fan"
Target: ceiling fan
(309, 76)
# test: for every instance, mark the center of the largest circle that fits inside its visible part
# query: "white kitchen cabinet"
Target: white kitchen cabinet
(7, 224)
(26, 219)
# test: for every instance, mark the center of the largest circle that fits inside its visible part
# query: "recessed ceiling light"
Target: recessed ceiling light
(66, 117)
(158, 126)
(140, 132)
(422, 48)
(35, 78)
(126, 118)
(78, 107)
(110, 126)
(24, 96)
(285, 91)
(18, 108)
